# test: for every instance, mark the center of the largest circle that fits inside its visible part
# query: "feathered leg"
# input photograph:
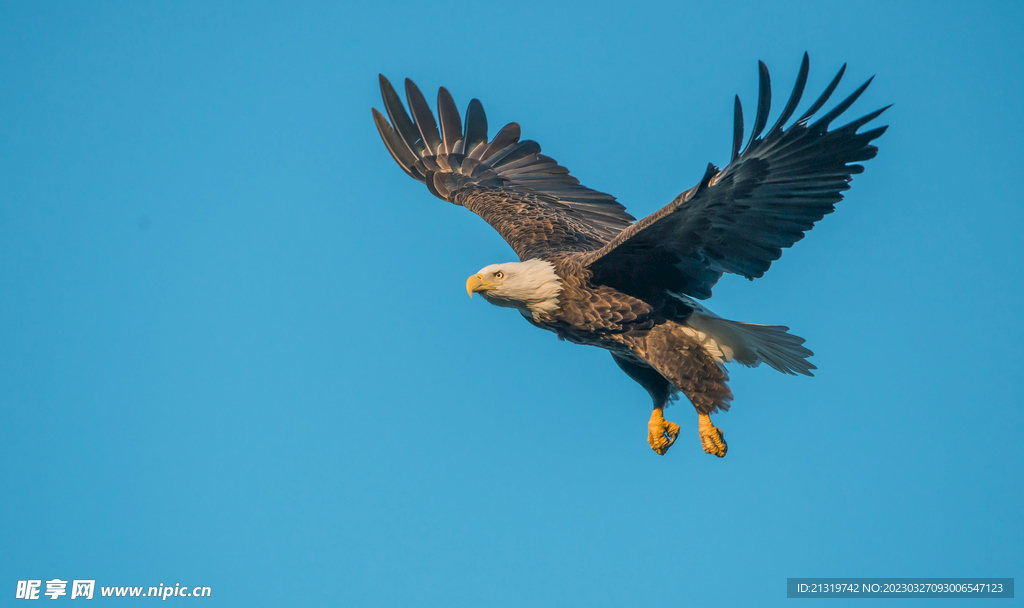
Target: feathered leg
(661, 433)
(679, 359)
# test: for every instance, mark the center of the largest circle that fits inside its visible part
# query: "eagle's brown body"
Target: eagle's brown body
(594, 276)
(642, 337)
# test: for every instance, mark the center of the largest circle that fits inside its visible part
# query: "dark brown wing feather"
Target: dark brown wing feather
(532, 201)
(740, 219)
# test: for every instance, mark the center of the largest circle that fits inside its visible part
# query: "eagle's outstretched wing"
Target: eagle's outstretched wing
(534, 203)
(740, 219)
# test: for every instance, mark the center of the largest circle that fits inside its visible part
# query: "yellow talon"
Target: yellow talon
(711, 437)
(661, 433)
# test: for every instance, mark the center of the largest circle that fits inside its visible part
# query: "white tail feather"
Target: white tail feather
(748, 343)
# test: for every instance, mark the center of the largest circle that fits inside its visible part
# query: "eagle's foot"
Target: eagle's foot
(661, 433)
(711, 437)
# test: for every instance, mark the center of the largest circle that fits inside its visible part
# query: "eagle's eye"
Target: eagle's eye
(499, 275)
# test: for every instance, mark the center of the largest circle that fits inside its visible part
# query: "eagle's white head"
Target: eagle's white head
(531, 286)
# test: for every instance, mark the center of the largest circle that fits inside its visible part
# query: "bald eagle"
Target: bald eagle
(592, 275)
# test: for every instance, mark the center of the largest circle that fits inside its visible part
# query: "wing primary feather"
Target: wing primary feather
(451, 123)
(737, 129)
(843, 105)
(794, 98)
(476, 125)
(422, 116)
(394, 143)
(824, 96)
(873, 134)
(513, 153)
(863, 120)
(399, 118)
(508, 135)
(764, 102)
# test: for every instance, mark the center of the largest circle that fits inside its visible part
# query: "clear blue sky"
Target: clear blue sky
(236, 348)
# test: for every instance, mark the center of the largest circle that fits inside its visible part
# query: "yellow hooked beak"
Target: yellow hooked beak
(477, 283)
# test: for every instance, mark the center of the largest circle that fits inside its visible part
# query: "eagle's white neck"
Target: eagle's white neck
(531, 286)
